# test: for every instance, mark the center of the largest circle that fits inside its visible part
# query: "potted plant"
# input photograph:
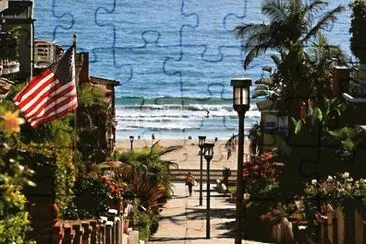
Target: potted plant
(114, 193)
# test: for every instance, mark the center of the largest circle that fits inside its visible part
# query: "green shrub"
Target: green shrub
(143, 224)
(90, 201)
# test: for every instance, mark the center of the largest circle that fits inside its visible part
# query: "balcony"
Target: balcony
(46, 53)
(8, 67)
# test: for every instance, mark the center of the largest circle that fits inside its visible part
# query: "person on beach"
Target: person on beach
(189, 182)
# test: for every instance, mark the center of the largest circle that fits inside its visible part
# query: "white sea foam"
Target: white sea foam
(174, 117)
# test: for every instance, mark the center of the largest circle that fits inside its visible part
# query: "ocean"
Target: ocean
(174, 58)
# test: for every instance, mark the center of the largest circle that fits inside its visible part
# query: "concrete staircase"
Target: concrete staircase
(179, 175)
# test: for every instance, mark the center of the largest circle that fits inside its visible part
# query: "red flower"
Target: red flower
(116, 191)
(256, 167)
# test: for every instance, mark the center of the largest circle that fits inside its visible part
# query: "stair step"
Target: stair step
(179, 175)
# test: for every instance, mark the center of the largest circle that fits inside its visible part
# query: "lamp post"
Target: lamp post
(208, 153)
(241, 105)
(201, 141)
(131, 141)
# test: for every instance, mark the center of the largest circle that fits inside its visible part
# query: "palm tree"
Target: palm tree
(290, 21)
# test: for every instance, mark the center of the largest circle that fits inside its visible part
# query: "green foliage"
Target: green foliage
(290, 21)
(59, 161)
(347, 138)
(14, 223)
(90, 201)
(13, 227)
(148, 178)
(90, 96)
(143, 222)
(93, 121)
(323, 55)
(321, 118)
(358, 29)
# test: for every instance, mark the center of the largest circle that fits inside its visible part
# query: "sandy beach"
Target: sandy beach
(186, 157)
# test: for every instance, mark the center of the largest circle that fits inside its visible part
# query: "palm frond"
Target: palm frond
(260, 93)
(230, 145)
(243, 30)
(267, 68)
(274, 9)
(259, 37)
(255, 52)
(315, 6)
(276, 59)
(264, 81)
(261, 88)
(169, 149)
(325, 20)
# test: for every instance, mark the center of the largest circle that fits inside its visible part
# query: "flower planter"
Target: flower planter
(115, 205)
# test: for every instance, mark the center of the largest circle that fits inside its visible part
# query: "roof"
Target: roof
(104, 81)
(17, 7)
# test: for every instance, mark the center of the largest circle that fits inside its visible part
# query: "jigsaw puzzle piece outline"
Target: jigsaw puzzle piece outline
(87, 41)
(207, 53)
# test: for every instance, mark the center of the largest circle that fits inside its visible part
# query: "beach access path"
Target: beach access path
(183, 221)
(187, 154)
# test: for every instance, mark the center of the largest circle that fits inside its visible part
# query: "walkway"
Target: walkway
(183, 221)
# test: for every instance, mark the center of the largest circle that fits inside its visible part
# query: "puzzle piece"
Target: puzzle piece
(213, 75)
(147, 71)
(213, 20)
(164, 17)
(78, 17)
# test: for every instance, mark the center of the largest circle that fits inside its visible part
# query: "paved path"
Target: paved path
(184, 221)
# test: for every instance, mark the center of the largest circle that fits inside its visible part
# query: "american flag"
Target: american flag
(51, 94)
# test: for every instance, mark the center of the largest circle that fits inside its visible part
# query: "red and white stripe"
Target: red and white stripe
(45, 98)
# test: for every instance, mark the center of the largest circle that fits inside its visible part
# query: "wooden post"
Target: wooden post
(330, 226)
(86, 237)
(94, 232)
(358, 227)
(78, 233)
(340, 225)
(108, 232)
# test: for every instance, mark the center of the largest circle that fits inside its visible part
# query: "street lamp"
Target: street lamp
(131, 141)
(201, 141)
(208, 153)
(241, 105)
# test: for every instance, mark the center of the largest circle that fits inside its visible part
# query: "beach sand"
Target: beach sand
(186, 157)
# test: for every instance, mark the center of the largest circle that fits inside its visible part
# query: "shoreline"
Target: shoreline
(186, 157)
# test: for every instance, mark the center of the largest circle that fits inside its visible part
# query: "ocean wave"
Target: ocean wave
(191, 107)
(169, 100)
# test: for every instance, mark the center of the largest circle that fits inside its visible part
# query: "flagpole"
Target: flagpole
(75, 110)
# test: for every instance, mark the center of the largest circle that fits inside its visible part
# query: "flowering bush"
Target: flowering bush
(14, 219)
(261, 174)
(115, 191)
(263, 166)
(336, 189)
(359, 191)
